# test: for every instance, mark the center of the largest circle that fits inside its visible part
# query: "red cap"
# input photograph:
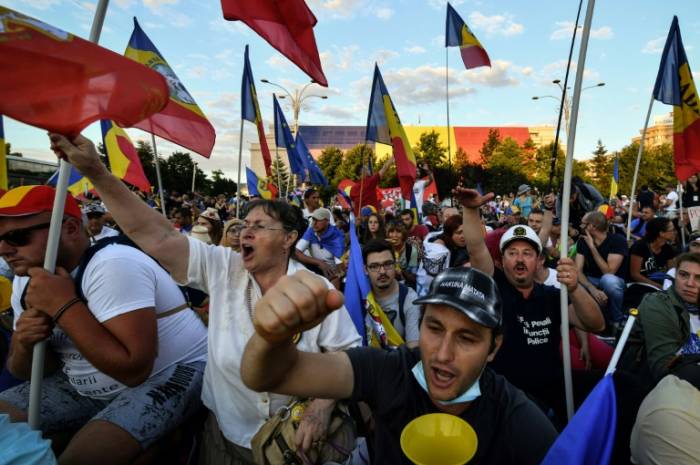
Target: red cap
(30, 200)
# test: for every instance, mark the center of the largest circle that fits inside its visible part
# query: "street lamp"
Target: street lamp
(567, 99)
(296, 99)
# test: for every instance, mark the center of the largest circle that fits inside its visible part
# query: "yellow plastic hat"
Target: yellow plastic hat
(439, 439)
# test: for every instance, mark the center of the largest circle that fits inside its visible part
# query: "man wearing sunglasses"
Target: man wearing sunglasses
(132, 361)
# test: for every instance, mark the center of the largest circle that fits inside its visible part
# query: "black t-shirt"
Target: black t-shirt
(511, 428)
(529, 356)
(652, 262)
(613, 244)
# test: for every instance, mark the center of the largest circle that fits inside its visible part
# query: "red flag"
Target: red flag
(62, 83)
(124, 162)
(287, 25)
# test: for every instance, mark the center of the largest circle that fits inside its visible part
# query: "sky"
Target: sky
(527, 41)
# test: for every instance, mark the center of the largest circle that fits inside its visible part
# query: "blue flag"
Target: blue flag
(315, 174)
(284, 138)
(589, 437)
(357, 286)
(77, 183)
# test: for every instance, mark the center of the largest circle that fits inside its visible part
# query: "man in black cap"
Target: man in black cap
(460, 333)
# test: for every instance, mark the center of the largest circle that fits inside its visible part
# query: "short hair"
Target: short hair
(598, 220)
(375, 246)
(692, 257)
(655, 227)
(536, 211)
(291, 216)
(408, 211)
(650, 207)
(309, 192)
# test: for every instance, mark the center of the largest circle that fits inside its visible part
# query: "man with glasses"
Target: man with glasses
(395, 298)
(234, 282)
(96, 223)
(132, 353)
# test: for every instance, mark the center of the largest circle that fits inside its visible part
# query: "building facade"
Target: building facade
(661, 132)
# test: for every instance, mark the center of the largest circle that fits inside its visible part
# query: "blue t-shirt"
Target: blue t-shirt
(524, 205)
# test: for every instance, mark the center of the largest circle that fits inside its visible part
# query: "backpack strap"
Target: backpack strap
(403, 292)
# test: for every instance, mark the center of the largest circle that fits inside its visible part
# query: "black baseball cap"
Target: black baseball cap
(470, 291)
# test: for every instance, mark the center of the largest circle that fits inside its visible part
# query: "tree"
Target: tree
(656, 167)
(221, 184)
(461, 158)
(430, 150)
(280, 176)
(361, 154)
(177, 174)
(505, 168)
(601, 168)
(8, 150)
(492, 141)
(390, 178)
(145, 153)
(329, 161)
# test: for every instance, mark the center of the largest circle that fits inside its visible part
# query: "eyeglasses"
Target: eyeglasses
(386, 266)
(257, 227)
(21, 237)
(235, 229)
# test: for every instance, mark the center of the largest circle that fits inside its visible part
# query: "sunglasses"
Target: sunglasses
(21, 237)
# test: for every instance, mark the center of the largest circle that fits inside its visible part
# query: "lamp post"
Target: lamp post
(296, 99)
(567, 100)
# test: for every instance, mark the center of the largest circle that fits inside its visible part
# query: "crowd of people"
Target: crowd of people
(208, 322)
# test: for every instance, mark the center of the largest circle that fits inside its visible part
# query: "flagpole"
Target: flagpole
(447, 103)
(555, 148)
(240, 161)
(194, 174)
(158, 176)
(636, 168)
(59, 203)
(568, 169)
(621, 343)
(680, 213)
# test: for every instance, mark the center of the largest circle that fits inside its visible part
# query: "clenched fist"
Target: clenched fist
(293, 305)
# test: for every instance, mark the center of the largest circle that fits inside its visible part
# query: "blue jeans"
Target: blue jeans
(613, 287)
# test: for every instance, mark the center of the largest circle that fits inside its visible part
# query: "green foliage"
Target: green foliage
(600, 168)
(359, 155)
(280, 175)
(8, 150)
(656, 168)
(461, 158)
(390, 178)
(145, 153)
(329, 161)
(221, 184)
(492, 141)
(430, 150)
(177, 171)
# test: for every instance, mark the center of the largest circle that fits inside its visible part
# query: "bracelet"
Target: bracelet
(65, 307)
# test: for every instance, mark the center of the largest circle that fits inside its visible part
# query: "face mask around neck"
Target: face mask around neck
(467, 396)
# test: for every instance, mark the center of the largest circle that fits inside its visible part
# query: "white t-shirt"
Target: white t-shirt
(106, 232)
(673, 197)
(552, 279)
(418, 190)
(240, 412)
(117, 280)
(316, 251)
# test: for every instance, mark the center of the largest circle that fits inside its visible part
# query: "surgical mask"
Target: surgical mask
(467, 396)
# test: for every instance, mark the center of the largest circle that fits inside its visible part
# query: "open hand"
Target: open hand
(470, 198)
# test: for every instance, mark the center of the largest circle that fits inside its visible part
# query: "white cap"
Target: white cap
(520, 232)
(321, 214)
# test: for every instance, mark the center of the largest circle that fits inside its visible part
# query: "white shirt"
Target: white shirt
(117, 280)
(106, 232)
(316, 251)
(219, 272)
(673, 197)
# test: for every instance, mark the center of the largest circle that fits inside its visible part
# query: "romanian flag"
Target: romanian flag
(3, 157)
(284, 138)
(258, 186)
(124, 162)
(675, 86)
(589, 437)
(370, 320)
(62, 83)
(77, 183)
(615, 179)
(287, 25)
(250, 111)
(181, 121)
(459, 35)
(384, 126)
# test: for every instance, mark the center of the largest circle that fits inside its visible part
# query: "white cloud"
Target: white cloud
(342, 113)
(415, 50)
(339, 59)
(655, 46)
(440, 4)
(438, 41)
(495, 76)
(278, 61)
(557, 70)
(155, 4)
(564, 30)
(339, 9)
(382, 56)
(696, 75)
(383, 13)
(44, 4)
(495, 25)
(124, 4)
